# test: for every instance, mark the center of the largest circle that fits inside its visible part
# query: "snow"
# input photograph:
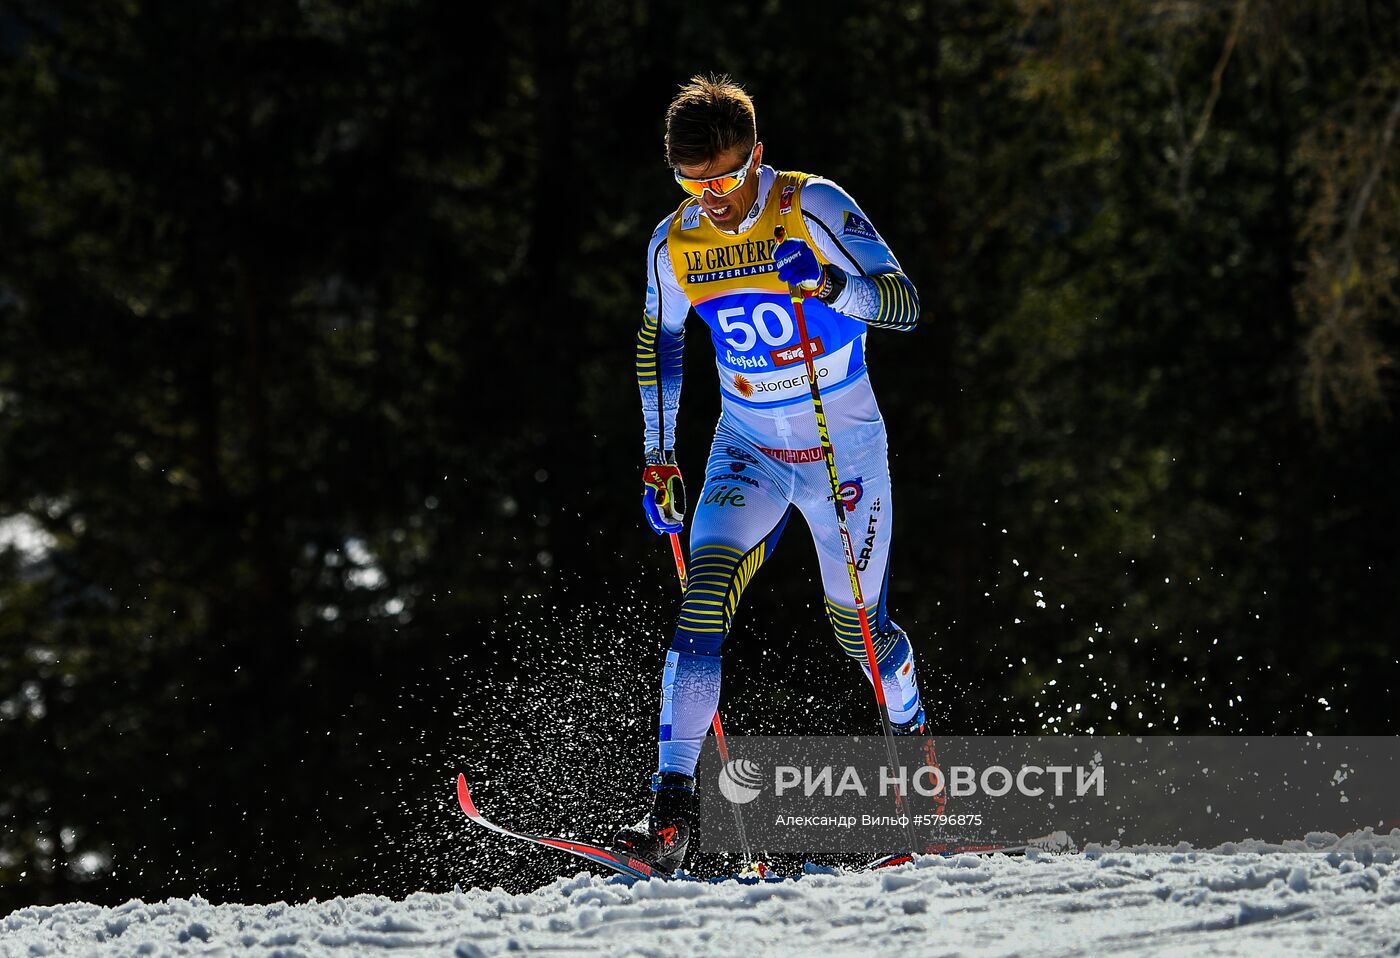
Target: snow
(1246, 899)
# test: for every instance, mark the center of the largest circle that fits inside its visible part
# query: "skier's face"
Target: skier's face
(729, 210)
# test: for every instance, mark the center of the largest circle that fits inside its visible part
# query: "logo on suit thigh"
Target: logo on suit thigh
(739, 455)
(724, 495)
(732, 477)
(851, 492)
(867, 550)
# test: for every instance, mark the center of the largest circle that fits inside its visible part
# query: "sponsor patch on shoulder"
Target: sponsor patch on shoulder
(690, 218)
(785, 201)
(857, 225)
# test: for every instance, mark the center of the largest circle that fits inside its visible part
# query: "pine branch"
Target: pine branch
(1217, 77)
(1358, 210)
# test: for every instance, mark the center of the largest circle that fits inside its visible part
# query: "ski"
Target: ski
(1054, 842)
(904, 858)
(624, 865)
(635, 868)
(612, 860)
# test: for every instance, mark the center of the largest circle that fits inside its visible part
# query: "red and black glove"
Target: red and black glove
(663, 492)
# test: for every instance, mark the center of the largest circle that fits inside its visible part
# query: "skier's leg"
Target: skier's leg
(742, 509)
(741, 513)
(865, 486)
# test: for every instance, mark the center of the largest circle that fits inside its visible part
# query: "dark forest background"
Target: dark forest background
(320, 442)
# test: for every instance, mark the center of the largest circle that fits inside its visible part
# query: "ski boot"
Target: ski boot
(662, 837)
(918, 725)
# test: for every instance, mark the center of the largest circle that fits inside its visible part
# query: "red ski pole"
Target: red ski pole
(679, 555)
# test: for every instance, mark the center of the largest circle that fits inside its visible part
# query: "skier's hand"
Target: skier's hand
(663, 492)
(797, 265)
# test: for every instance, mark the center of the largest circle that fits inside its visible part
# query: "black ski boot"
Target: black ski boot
(661, 838)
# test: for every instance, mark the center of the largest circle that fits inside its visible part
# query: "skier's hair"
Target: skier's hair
(709, 116)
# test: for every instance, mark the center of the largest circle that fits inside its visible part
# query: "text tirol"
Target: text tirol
(725, 257)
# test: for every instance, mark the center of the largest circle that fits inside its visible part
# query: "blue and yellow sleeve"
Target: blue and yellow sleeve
(877, 291)
(660, 346)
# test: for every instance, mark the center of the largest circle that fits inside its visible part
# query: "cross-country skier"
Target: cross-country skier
(717, 254)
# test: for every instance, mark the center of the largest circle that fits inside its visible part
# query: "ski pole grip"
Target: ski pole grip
(780, 234)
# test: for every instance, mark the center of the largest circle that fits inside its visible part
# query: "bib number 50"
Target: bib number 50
(748, 331)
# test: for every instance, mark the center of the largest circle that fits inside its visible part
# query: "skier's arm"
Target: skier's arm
(863, 279)
(660, 345)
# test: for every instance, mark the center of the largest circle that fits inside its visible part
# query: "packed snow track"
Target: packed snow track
(1228, 902)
